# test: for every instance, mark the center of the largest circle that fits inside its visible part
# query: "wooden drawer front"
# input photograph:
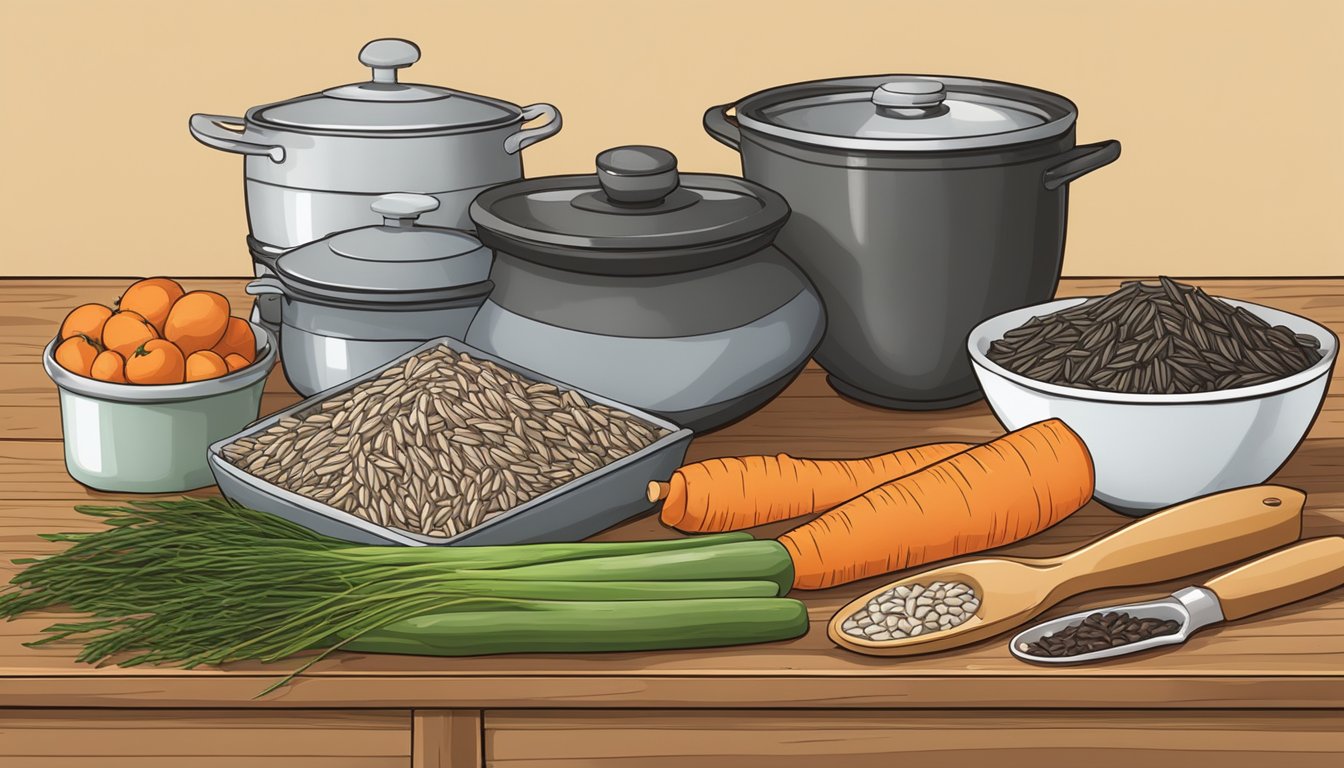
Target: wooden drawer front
(204, 739)
(1097, 739)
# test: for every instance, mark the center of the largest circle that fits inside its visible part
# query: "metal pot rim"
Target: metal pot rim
(255, 120)
(389, 301)
(1065, 114)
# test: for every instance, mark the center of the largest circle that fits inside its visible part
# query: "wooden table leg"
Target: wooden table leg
(447, 738)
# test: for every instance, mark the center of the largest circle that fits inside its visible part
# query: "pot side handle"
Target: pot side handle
(519, 141)
(208, 130)
(723, 128)
(1080, 161)
(265, 286)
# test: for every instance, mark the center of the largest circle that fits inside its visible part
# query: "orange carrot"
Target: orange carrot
(735, 493)
(988, 496)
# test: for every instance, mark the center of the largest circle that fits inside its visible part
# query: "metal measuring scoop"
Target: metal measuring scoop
(1285, 576)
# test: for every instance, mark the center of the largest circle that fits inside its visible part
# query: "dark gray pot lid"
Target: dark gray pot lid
(904, 113)
(383, 105)
(636, 206)
(395, 263)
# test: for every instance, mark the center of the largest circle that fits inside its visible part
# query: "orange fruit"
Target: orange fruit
(76, 354)
(151, 298)
(156, 362)
(109, 366)
(87, 319)
(197, 321)
(124, 332)
(205, 365)
(238, 340)
(236, 362)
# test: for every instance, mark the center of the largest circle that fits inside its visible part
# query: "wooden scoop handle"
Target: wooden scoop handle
(657, 490)
(1286, 576)
(1204, 533)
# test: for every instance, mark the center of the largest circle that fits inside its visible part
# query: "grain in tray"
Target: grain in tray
(440, 444)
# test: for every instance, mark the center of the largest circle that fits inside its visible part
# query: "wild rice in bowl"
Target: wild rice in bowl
(440, 444)
(1154, 338)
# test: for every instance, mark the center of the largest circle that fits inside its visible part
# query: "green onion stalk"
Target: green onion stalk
(206, 581)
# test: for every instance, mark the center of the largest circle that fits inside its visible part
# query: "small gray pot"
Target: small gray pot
(355, 300)
(653, 288)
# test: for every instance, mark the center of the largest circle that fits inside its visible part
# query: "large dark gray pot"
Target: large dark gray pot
(910, 250)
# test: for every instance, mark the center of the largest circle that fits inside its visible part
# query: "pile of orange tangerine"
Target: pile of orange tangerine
(158, 334)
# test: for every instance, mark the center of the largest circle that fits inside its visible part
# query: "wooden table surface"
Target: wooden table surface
(1287, 665)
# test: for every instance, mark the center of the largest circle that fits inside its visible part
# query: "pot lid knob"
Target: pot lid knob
(401, 209)
(637, 175)
(910, 98)
(386, 55)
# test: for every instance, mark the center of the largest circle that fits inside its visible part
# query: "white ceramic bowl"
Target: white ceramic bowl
(1151, 451)
(153, 438)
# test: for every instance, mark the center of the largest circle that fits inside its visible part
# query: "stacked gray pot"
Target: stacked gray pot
(361, 298)
(315, 164)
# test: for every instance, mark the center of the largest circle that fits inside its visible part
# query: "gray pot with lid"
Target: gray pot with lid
(314, 164)
(357, 299)
(922, 205)
(655, 288)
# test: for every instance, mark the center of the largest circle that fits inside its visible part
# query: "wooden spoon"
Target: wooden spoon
(1195, 536)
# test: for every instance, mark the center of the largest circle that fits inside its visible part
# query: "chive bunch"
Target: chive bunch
(205, 581)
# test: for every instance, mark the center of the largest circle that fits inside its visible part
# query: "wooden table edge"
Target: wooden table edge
(682, 691)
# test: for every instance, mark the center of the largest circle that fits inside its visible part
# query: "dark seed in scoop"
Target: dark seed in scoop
(1098, 631)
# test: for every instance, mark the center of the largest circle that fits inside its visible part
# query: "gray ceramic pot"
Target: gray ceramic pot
(921, 206)
(355, 300)
(656, 289)
(314, 164)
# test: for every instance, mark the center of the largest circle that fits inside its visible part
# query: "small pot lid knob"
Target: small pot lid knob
(637, 175)
(386, 55)
(910, 98)
(401, 209)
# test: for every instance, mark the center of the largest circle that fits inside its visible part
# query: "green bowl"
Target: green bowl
(153, 438)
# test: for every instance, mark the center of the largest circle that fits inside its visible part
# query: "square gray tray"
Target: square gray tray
(573, 511)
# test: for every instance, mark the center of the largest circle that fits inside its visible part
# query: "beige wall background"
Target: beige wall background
(1231, 113)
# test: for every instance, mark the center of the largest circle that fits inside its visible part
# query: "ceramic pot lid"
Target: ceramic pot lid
(383, 105)
(635, 207)
(908, 113)
(395, 263)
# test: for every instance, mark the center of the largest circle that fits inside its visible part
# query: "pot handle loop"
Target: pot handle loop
(208, 130)
(265, 286)
(1080, 161)
(519, 141)
(723, 128)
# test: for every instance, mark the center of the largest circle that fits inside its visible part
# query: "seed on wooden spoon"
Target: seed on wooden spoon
(913, 610)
